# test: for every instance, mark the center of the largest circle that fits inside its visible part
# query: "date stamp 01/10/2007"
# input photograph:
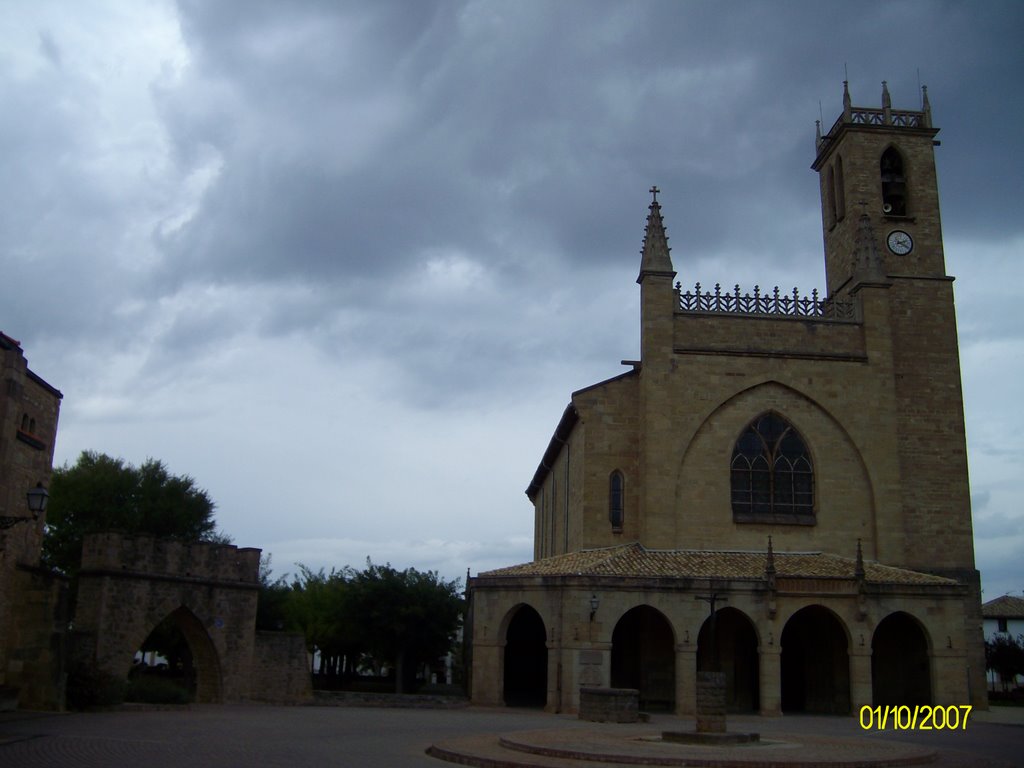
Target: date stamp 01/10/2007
(920, 717)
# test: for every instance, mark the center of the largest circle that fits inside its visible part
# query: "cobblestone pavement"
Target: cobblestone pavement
(296, 737)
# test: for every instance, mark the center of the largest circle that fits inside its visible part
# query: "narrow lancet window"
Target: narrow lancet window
(616, 501)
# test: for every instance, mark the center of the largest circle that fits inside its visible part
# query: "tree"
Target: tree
(317, 607)
(1005, 655)
(272, 599)
(404, 617)
(100, 493)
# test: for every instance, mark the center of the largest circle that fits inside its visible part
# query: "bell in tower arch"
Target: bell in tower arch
(894, 183)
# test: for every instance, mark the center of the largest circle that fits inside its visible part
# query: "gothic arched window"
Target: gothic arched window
(616, 501)
(772, 476)
(894, 183)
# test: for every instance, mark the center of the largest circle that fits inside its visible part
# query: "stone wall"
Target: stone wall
(610, 705)
(280, 668)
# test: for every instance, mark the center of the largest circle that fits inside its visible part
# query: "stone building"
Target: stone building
(794, 465)
(30, 597)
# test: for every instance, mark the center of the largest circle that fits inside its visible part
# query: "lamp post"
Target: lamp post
(37, 498)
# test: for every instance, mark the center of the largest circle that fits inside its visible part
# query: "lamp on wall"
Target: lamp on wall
(595, 603)
(37, 498)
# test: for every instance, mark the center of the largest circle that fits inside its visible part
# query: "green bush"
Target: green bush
(156, 690)
(88, 688)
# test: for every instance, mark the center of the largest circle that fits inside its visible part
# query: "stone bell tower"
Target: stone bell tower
(878, 183)
(880, 161)
(883, 245)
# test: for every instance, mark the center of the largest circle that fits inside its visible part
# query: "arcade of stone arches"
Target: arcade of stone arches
(808, 665)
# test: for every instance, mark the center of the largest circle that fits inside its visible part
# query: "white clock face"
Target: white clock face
(900, 242)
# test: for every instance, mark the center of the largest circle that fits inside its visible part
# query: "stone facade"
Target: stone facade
(31, 600)
(870, 473)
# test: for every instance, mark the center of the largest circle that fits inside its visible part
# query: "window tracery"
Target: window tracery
(772, 477)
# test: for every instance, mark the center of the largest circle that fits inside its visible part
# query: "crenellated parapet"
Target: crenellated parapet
(116, 553)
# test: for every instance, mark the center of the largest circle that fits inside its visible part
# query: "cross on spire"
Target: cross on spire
(654, 191)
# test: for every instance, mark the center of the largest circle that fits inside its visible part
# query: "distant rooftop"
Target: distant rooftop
(1005, 607)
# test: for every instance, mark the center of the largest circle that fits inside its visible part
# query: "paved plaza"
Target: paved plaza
(295, 737)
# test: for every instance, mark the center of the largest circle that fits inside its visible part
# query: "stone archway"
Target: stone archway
(525, 682)
(736, 641)
(204, 658)
(815, 663)
(643, 657)
(130, 584)
(900, 668)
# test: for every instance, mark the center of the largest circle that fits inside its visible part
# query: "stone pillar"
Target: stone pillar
(686, 679)
(711, 702)
(949, 676)
(770, 669)
(487, 673)
(860, 673)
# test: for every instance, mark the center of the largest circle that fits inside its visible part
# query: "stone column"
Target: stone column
(770, 670)
(686, 679)
(949, 676)
(487, 673)
(860, 673)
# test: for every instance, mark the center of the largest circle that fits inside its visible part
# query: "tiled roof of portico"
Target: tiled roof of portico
(636, 561)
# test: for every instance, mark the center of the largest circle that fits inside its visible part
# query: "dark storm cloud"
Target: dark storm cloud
(352, 143)
(439, 206)
(361, 135)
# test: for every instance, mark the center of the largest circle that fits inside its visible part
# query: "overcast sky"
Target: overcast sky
(344, 263)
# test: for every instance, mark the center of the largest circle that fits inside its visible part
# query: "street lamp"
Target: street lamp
(594, 604)
(37, 498)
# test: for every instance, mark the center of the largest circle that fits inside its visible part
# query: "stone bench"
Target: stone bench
(610, 705)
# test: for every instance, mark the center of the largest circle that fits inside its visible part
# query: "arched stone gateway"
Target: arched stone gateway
(643, 657)
(203, 673)
(526, 659)
(815, 663)
(128, 585)
(900, 669)
(736, 642)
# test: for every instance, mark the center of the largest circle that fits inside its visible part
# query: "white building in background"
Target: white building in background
(1003, 616)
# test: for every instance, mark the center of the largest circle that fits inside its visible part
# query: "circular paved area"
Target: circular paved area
(623, 745)
(296, 737)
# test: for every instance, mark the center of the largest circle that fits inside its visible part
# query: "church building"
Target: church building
(793, 465)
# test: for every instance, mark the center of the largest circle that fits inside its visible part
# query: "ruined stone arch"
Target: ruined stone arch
(205, 658)
(129, 584)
